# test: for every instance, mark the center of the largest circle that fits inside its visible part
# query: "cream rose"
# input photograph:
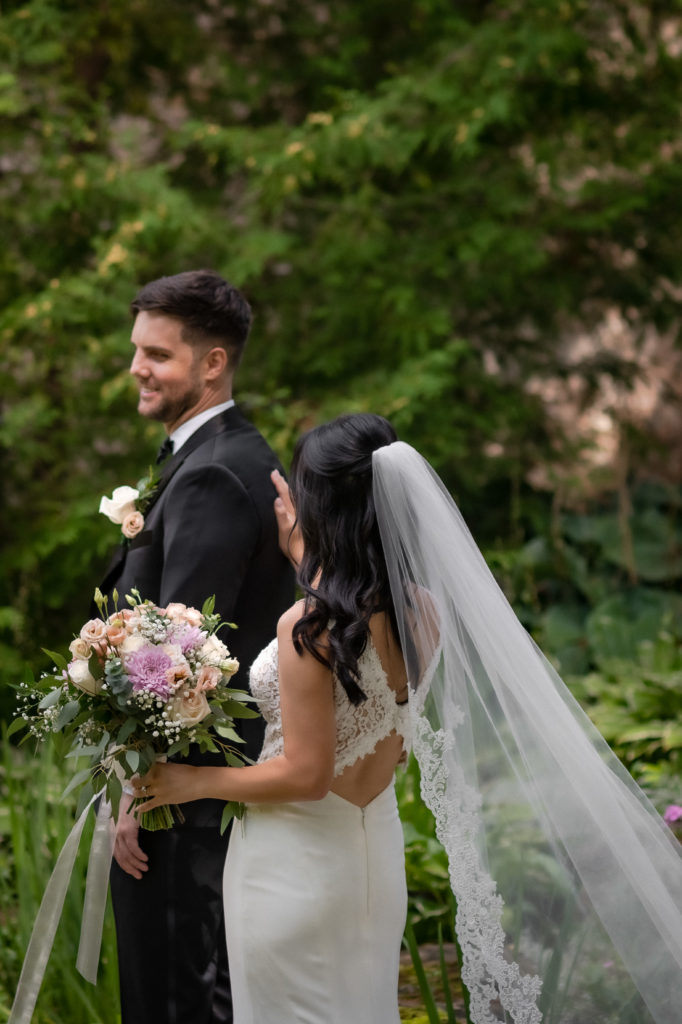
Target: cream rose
(81, 676)
(131, 644)
(94, 632)
(174, 652)
(214, 651)
(120, 504)
(208, 678)
(80, 649)
(188, 708)
(132, 525)
(229, 667)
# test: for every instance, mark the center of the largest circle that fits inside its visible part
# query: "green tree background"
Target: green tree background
(438, 211)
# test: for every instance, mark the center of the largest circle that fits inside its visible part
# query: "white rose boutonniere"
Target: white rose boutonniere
(120, 504)
(127, 505)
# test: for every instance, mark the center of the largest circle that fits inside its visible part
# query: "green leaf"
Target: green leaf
(84, 797)
(228, 733)
(77, 779)
(233, 759)
(126, 730)
(114, 791)
(15, 726)
(133, 759)
(59, 660)
(208, 605)
(50, 699)
(66, 714)
(179, 747)
(231, 810)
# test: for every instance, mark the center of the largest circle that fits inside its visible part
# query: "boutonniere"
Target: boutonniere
(127, 505)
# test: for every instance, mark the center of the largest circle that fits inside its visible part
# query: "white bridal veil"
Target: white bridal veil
(567, 882)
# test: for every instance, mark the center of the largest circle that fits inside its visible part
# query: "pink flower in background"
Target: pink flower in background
(148, 670)
(673, 813)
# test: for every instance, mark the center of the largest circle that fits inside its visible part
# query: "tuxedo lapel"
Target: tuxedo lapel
(230, 419)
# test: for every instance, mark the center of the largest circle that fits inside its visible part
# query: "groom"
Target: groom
(210, 529)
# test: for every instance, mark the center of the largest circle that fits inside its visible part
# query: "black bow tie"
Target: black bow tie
(164, 451)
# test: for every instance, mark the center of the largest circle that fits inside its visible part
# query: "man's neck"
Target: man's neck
(185, 430)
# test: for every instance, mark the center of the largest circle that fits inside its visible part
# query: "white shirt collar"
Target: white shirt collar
(186, 429)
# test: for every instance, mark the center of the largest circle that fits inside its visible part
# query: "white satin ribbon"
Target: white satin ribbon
(45, 927)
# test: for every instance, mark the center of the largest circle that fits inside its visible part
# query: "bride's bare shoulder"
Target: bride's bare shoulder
(290, 617)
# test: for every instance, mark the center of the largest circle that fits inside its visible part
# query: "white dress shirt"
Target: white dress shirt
(186, 429)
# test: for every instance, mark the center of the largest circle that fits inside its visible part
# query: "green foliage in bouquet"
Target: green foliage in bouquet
(144, 683)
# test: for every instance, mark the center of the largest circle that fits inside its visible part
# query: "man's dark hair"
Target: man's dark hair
(210, 309)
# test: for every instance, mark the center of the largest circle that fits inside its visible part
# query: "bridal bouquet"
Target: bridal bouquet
(142, 683)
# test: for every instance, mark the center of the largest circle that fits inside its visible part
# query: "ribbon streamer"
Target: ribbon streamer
(45, 927)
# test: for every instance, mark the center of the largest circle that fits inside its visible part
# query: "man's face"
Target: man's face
(167, 370)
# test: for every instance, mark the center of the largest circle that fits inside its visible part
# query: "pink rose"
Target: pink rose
(94, 632)
(132, 524)
(188, 707)
(122, 615)
(208, 678)
(116, 633)
(193, 617)
(176, 611)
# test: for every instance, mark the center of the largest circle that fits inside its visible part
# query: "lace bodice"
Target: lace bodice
(358, 727)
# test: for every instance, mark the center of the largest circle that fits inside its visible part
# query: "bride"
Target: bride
(315, 877)
(568, 885)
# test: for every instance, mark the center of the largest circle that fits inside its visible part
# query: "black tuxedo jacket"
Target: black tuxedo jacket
(211, 529)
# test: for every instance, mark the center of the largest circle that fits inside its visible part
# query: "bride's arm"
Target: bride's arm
(303, 772)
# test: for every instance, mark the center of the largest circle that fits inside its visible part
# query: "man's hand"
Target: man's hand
(128, 854)
(290, 541)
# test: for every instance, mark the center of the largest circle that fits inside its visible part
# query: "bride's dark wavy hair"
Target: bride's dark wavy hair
(331, 486)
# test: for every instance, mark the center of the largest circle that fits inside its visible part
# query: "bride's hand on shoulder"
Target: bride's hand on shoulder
(166, 783)
(290, 541)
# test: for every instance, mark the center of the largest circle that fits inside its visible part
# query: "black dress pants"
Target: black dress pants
(170, 930)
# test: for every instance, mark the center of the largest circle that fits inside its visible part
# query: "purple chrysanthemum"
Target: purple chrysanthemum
(673, 813)
(148, 671)
(186, 637)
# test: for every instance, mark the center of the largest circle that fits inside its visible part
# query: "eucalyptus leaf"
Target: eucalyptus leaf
(50, 699)
(126, 730)
(66, 714)
(114, 791)
(76, 781)
(84, 797)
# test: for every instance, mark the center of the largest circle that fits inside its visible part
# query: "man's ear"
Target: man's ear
(215, 362)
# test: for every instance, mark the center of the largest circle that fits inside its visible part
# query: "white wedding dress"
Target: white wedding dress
(315, 892)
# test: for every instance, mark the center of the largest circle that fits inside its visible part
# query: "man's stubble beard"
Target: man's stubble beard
(171, 409)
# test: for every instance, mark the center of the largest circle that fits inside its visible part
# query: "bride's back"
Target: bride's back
(370, 775)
